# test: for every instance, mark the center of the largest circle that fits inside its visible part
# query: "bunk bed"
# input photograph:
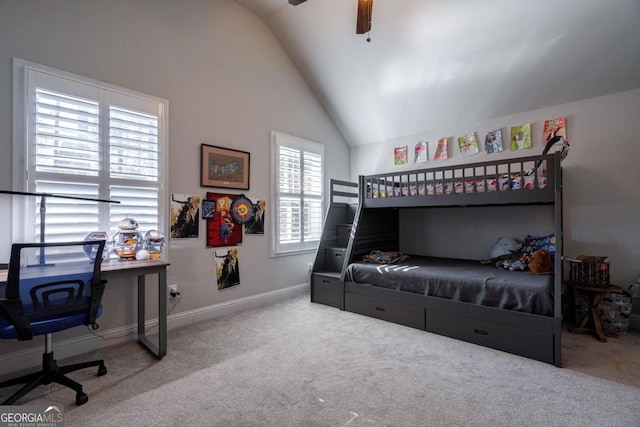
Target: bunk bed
(510, 311)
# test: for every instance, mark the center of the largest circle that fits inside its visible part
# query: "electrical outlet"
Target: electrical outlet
(310, 267)
(173, 290)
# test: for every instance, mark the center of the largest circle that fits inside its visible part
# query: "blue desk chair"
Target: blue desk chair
(51, 287)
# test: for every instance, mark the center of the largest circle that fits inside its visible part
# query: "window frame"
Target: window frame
(23, 160)
(279, 139)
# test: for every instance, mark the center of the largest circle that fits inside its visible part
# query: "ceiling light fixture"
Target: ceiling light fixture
(363, 19)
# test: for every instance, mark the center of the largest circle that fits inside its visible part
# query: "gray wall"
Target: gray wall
(228, 83)
(601, 184)
(469, 233)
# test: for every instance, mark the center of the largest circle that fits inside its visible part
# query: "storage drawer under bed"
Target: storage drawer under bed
(392, 311)
(512, 339)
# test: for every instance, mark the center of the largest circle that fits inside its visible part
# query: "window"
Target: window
(298, 176)
(91, 140)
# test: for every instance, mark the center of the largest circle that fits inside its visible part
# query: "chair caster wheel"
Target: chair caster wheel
(81, 399)
(102, 370)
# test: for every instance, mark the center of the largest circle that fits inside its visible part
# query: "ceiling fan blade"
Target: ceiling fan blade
(363, 21)
(296, 2)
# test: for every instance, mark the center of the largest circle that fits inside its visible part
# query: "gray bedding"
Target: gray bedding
(461, 280)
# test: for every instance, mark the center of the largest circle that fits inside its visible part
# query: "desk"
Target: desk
(117, 268)
(593, 295)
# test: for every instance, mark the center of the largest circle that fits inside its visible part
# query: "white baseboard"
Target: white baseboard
(32, 357)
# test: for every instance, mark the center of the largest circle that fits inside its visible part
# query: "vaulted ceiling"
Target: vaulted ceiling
(433, 64)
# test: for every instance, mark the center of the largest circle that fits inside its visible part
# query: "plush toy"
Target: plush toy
(537, 263)
(519, 264)
(540, 262)
(506, 246)
(513, 264)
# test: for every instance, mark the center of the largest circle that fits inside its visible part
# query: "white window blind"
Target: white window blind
(298, 178)
(93, 140)
(66, 145)
(134, 159)
(67, 136)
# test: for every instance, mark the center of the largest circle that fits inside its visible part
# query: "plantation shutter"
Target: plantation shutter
(87, 139)
(299, 169)
(67, 162)
(289, 207)
(133, 163)
(312, 197)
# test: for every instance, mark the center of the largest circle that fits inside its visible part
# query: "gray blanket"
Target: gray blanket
(461, 280)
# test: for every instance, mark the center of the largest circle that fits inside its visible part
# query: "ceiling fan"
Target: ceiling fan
(363, 20)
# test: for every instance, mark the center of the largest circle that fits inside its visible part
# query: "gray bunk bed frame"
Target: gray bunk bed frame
(375, 226)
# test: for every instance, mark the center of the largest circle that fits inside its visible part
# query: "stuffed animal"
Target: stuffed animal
(513, 264)
(540, 262)
(519, 264)
(537, 263)
(506, 246)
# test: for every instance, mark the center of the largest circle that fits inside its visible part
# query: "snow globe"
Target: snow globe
(90, 251)
(128, 240)
(154, 243)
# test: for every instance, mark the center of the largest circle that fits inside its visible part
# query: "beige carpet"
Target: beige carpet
(295, 363)
(616, 360)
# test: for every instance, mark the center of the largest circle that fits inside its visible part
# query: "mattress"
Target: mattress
(461, 280)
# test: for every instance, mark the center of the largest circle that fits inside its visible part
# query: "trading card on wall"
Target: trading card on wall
(208, 209)
(227, 267)
(185, 216)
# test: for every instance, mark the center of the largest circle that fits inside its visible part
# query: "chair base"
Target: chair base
(52, 373)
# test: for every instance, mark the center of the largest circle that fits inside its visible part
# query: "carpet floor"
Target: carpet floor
(295, 363)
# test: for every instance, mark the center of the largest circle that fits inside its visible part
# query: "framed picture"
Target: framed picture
(223, 167)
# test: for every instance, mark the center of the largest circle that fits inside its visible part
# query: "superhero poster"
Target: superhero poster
(222, 228)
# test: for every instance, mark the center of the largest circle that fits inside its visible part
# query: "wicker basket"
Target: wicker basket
(589, 270)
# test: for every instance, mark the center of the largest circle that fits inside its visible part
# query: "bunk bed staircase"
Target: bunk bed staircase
(326, 283)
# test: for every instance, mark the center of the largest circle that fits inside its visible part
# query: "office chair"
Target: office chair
(51, 287)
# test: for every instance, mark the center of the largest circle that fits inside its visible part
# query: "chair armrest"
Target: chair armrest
(12, 310)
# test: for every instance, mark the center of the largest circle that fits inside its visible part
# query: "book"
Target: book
(521, 137)
(400, 155)
(493, 141)
(420, 153)
(589, 270)
(442, 151)
(586, 258)
(468, 144)
(554, 132)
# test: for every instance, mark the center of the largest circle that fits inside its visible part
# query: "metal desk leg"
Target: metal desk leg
(161, 350)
